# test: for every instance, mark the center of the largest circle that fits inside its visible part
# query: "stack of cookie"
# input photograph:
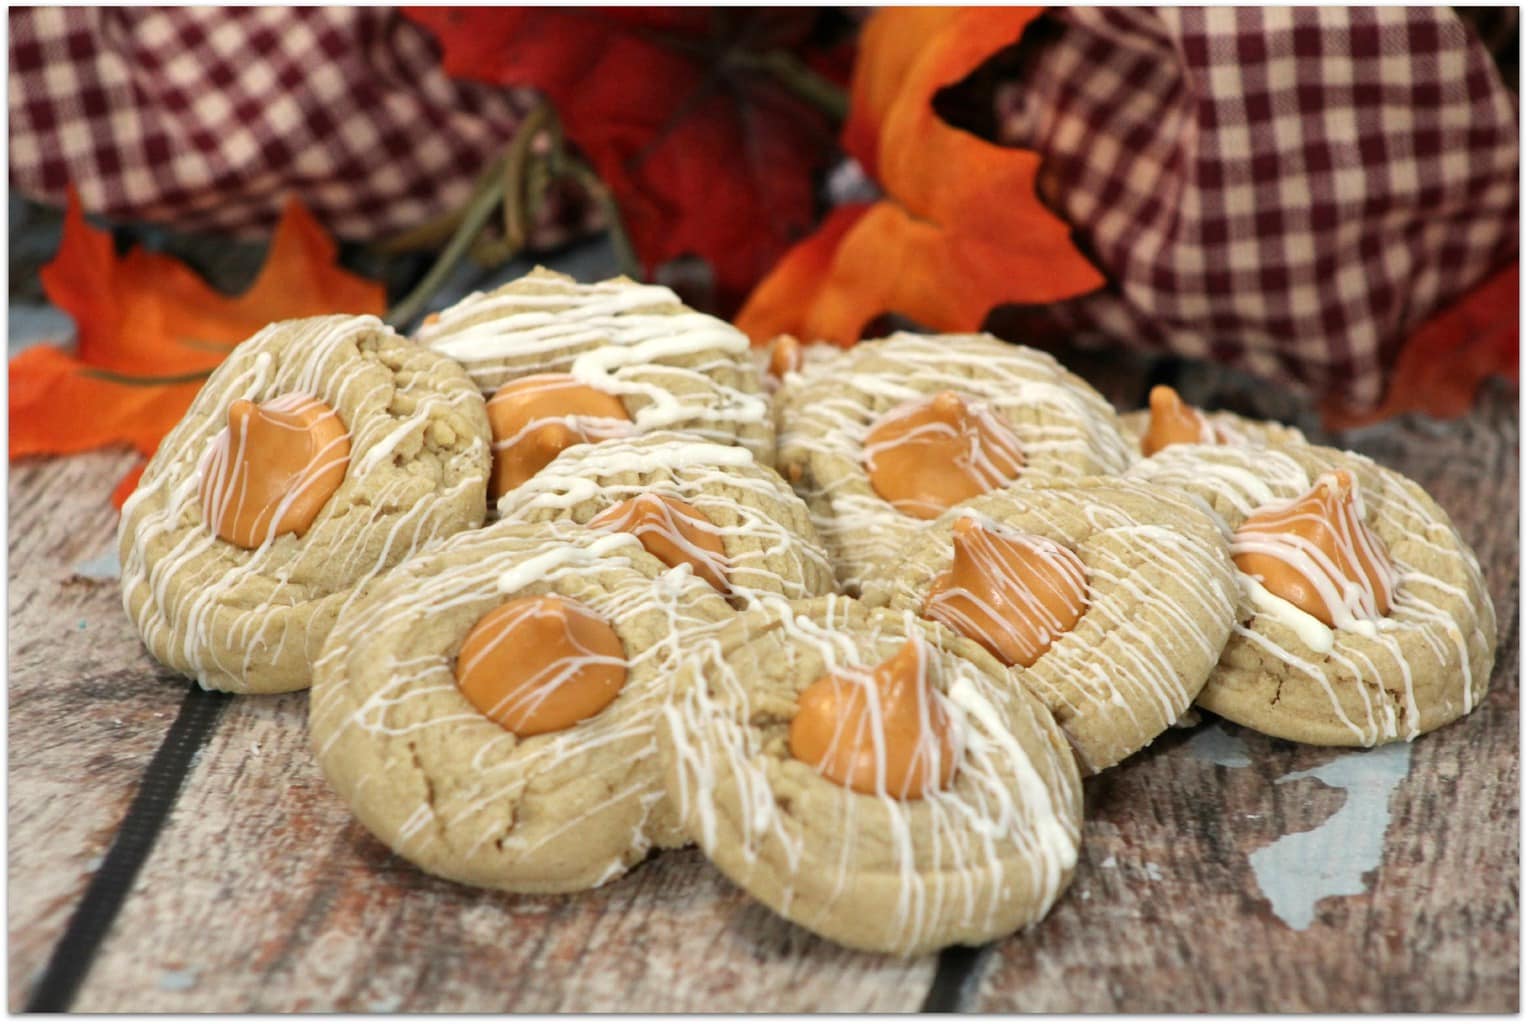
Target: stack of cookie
(857, 623)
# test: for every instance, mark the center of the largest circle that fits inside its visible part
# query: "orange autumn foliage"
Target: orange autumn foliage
(1444, 362)
(150, 331)
(961, 229)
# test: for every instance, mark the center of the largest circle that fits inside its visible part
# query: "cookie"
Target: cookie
(712, 506)
(1168, 420)
(564, 363)
(1109, 601)
(1363, 618)
(901, 428)
(487, 709)
(787, 356)
(321, 452)
(871, 776)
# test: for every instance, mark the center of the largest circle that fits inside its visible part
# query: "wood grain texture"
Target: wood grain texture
(87, 706)
(264, 895)
(1167, 914)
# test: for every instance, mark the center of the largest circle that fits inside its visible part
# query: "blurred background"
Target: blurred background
(1320, 198)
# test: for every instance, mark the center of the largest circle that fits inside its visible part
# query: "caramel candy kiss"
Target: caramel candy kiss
(673, 531)
(1174, 421)
(536, 417)
(540, 664)
(785, 356)
(1316, 553)
(272, 470)
(877, 731)
(930, 454)
(1013, 594)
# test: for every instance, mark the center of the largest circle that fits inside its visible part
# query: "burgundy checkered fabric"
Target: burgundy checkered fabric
(209, 117)
(1289, 190)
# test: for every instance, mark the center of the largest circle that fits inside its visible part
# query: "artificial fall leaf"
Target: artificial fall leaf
(961, 229)
(890, 48)
(1444, 362)
(807, 270)
(150, 331)
(678, 112)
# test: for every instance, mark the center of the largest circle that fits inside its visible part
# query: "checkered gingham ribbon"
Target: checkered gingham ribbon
(1288, 190)
(209, 117)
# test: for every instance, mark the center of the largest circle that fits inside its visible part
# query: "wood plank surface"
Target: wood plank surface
(87, 706)
(264, 895)
(1169, 911)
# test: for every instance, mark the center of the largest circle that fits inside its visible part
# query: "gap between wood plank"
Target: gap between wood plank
(959, 966)
(954, 977)
(130, 848)
(199, 712)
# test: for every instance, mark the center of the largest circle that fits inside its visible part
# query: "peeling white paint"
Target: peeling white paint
(177, 981)
(1297, 871)
(102, 567)
(1217, 746)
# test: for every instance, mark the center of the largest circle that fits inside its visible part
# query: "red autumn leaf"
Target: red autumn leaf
(1444, 362)
(703, 148)
(150, 330)
(961, 229)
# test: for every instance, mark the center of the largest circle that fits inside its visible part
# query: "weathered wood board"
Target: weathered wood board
(1202, 875)
(87, 707)
(262, 894)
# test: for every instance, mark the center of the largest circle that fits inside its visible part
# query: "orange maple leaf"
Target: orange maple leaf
(961, 229)
(150, 331)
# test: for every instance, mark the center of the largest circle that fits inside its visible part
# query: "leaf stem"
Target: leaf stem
(517, 211)
(490, 193)
(793, 73)
(620, 241)
(135, 381)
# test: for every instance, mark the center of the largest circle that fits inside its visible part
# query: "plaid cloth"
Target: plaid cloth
(209, 117)
(1291, 191)
(1287, 190)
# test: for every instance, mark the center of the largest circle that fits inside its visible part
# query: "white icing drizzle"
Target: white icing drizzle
(998, 815)
(1313, 633)
(418, 707)
(1349, 603)
(1136, 670)
(546, 565)
(681, 369)
(1359, 663)
(183, 577)
(221, 463)
(993, 448)
(1247, 478)
(1066, 430)
(748, 505)
(1063, 585)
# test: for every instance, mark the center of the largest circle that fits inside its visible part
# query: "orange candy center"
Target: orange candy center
(536, 417)
(1013, 594)
(540, 664)
(1174, 421)
(785, 356)
(1316, 553)
(930, 454)
(877, 730)
(673, 531)
(273, 469)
